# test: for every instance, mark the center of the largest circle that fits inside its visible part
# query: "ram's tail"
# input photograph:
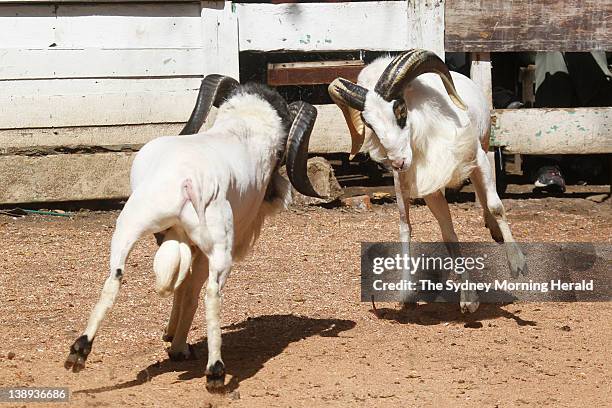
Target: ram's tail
(171, 264)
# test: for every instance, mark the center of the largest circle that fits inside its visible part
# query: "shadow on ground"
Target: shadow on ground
(247, 346)
(436, 313)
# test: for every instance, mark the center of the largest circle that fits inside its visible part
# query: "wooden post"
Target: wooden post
(428, 32)
(220, 38)
(480, 72)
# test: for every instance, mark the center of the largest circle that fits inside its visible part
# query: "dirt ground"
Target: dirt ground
(295, 333)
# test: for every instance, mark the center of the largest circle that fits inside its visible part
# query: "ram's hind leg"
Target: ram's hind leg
(175, 314)
(439, 208)
(495, 214)
(190, 292)
(130, 226)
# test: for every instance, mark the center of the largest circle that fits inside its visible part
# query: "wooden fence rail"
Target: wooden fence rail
(108, 76)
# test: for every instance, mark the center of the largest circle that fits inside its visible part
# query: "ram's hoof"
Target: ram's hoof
(469, 301)
(188, 354)
(215, 377)
(79, 351)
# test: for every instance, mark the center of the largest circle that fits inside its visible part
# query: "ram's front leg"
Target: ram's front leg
(402, 193)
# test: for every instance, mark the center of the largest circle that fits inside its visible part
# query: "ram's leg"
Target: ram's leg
(495, 214)
(439, 207)
(402, 193)
(129, 228)
(213, 235)
(175, 314)
(190, 289)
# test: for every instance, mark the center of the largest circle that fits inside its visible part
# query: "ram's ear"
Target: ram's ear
(350, 98)
(213, 92)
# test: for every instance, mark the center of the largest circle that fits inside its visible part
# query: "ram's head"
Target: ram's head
(383, 109)
(215, 89)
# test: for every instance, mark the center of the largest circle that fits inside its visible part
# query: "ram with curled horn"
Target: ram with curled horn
(205, 196)
(430, 127)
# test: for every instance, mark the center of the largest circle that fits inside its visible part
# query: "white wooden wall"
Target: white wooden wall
(113, 75)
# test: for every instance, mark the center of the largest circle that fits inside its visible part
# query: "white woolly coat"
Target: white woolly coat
(444, 139)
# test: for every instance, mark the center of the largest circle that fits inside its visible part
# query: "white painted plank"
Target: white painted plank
(75, 26)
(377, 25)
(95, 63)
(553, 131)
(480, 72)
(220, 38)
(27, 25)
(95, 86)
(330, 134)
(88, 102)
(426, 21)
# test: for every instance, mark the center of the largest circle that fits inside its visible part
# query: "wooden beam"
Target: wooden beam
(312, 73)
(528, 25)
(220, 38)
(426, 22)
(480, 72)
(553, 131)
(372, 25)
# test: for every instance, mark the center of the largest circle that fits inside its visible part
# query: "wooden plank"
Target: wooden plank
(553, 131)
(220, 38)
(69, 177)
(528, 25)
(64, 177)
(13, 141)
(101, 25)
(527, 80)
(377, 25)
(330, 133)
(96, 63)
(480, 72)
(312, 73)
(89, 102)
(426, 21)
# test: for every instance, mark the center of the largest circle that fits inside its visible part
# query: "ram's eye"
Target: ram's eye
(399, 109)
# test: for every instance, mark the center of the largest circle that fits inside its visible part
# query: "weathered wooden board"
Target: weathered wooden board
(64, 177)
(31, 141)
(553, 131)
(329, 135)
(100, 25)
(220, 38)
(312, 73)
(89, 102)
(426, 25)
(27, 177)
(97, 62)
(528, 25)
(480, 72)
(377, 25)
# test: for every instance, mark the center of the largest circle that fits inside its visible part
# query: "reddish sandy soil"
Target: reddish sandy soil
(295, 333)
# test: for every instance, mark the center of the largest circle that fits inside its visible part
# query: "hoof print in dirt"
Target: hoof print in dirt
(79, 351)
(215, 377)
(177, 356)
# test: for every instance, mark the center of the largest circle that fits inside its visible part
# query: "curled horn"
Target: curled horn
(213, 91)
(304, 117)
(350, 98)
(409, 65)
